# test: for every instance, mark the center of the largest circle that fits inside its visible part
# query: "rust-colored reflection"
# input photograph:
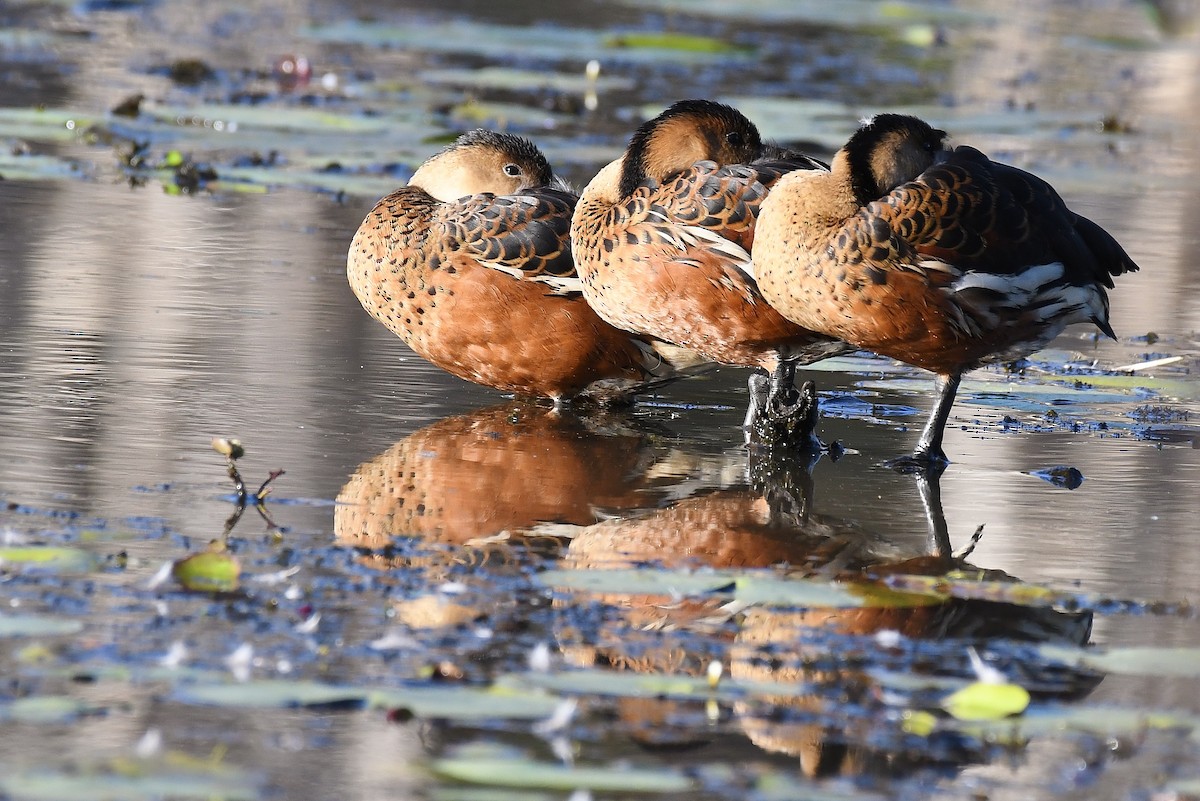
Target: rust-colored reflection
(502, 469)
(470, 488)
(772, 525)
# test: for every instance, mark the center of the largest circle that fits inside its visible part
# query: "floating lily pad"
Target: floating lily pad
(481, 39)
(132, 781)
(969, 587)
(221, 117)
(516, 772)
(1052, 720)
(44, 709)
(644, 581)
(621, 684)
(269, 693)
(37, 625)
(467, 703)
(45, 124)
(45, 559)
(848, 13)
(511, 79)
(1147, 661)
(753, 589)
(666, 40)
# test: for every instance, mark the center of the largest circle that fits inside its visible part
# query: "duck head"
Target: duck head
(484, 161)
(687, 132)
(887, 151)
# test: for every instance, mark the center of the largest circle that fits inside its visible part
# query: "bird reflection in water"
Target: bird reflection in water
(479, 496)
(771, 523)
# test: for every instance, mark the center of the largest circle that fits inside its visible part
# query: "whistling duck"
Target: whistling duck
(662, 238)
(937, 257)
(470, 264)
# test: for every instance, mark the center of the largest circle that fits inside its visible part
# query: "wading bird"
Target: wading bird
(938, 257)
(470, 264)
(662, 240)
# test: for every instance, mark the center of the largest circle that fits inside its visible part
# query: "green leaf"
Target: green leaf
(208, 571)
(44, 709)
(1141, 661)
(269, 693)
(644, 581)
(36, 625)
(467, 703)
(131, 780)
(45, 558)
(984, 701)
(672, 41)
(540, 775)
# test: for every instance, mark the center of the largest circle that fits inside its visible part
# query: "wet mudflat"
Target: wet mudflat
(453, 595)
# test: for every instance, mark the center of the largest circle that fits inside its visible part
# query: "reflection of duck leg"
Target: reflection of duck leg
(929, 484)
(785, 481)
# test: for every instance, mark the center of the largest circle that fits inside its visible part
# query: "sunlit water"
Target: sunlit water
(136, 325)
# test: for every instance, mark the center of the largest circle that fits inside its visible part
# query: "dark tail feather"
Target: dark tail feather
(1105, 327)
(1107, 251)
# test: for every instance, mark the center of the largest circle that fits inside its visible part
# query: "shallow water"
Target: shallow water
(136, 324)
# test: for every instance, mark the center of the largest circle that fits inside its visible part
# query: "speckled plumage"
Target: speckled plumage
(662, 238)
(470, 264)
(940, 258)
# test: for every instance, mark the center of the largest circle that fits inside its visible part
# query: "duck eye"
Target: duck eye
(512, 170)
(735, 138)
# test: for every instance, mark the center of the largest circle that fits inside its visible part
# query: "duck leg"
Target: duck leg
(929, 456)
(783, 398)
(760, 393)
(929, 446)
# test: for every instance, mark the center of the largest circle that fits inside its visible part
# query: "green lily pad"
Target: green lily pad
(487, 40)
(44, 709)
(753, 589)
(467, 703)
(132, 780)
(1099, 720)
(269, 693)
(45, 124)
(621, 684)
(512, 79)
(967, 587)
(45, 559)
(673, 41)
(547, 776)
(37, 625)
(847, 13)
(220, 117)
(1145, 661)
(639, 582)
